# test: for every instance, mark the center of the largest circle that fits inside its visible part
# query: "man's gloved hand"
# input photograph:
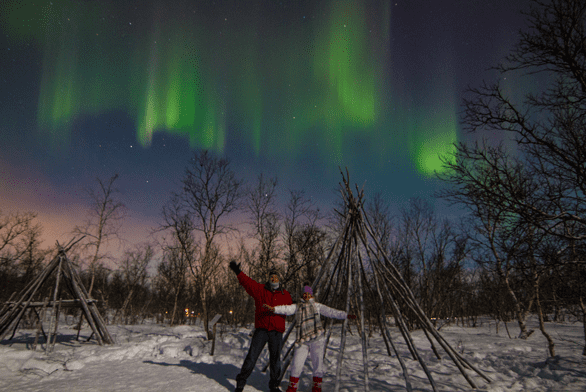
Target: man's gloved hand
(235, 267)
(351, 317)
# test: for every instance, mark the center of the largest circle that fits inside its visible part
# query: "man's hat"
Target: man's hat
(273, 271)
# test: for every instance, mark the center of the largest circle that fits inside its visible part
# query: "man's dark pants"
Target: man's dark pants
(260, 337)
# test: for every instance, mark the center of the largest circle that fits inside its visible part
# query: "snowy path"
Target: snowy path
(154, 358)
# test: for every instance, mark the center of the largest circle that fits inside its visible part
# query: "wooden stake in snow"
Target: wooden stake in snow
(213, 324)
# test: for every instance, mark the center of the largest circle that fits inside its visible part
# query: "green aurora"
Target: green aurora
(274, 83)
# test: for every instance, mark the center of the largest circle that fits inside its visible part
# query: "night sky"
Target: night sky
(292, 89)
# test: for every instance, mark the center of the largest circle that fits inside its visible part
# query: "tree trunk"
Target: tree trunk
(524, 334)
(558, 316)
(583, 322)
(126, 302)
(507, 329)
(91, 284)
(206, 319)
(550, 343)
(174, 308)
(95, 258)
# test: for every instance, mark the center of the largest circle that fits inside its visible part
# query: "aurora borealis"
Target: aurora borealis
(293, 88)
(184, 69)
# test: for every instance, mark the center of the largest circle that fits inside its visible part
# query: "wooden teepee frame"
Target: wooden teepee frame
(65, 275)
(357, 267)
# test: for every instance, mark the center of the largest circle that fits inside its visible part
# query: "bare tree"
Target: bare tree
(211, 192)
(301, 214)
(381, 220)
(133, 269)
(310, 243)
(449, 252)
(103, 224)
(261, 207)
(548, 125)
(497, 233)
(12, 229)
(543, 183)
(419, 223)
(20, 253)
(180, 250)
(171, 277)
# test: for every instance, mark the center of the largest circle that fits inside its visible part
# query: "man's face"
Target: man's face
(274, 279)
(307, 296)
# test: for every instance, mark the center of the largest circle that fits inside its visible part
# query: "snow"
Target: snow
(153, 357)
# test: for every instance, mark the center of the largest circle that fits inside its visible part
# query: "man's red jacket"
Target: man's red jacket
(263, 294)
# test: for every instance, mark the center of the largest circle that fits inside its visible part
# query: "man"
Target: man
(269, 327)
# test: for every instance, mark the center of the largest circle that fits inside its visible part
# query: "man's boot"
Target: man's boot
(293, 381)
(240, 385)
(316, 384)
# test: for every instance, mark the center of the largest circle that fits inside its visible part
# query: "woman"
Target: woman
(310, 335)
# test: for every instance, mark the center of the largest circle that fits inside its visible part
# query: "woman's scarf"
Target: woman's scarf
(308, 323)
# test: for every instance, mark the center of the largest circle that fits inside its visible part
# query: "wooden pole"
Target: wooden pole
(7, 304)
(214, 322)
(328, 334)
(387, 337)
(406, 334)
(409, 341)
(391, 289)
(362, 327)
(400, 322)
(57, 309)
(437, 355)
(30, 290)
(424, 320)
(456, 358)
(214, 339)
(404, 330)
(40, 325)
(13, 312)
(103, 335)
(79, 324)
(81, 296)
(286, 361)
(344, 325)
(9, 319)
(55, 294)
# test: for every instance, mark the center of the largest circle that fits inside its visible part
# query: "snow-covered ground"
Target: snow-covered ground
(153, 357)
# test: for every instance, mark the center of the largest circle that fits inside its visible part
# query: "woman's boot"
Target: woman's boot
(316, 384)
(293, 381)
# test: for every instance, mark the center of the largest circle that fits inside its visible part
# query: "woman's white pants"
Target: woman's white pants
(316, 350)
